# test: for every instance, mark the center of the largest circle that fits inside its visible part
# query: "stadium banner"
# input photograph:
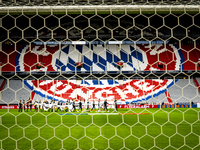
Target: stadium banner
(136, 106)
(53, 59)
(120, 106)
(9, 107)
(13, 107)
(176, 106)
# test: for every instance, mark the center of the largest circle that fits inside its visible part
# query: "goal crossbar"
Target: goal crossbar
(107, 8)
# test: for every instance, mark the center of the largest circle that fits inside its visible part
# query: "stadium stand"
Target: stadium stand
(102, 58)
(134, 91)
(139, 57)
(2, 84)
(184, 91)
(37, 46)
(15, 91)
(197, 82)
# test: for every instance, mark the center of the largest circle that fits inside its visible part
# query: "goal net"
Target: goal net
(110, 74)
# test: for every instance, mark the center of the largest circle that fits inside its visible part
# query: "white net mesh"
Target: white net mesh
(144, 54)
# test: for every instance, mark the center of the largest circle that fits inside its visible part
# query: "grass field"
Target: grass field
(138, 129)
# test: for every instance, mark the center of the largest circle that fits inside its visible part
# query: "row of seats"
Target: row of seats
(126, 91)
(100, 58)
(184, 91)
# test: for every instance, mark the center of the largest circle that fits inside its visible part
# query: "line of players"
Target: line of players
(60, 105)
(23, 105)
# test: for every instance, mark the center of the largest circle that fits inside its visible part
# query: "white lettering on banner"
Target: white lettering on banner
(110, 106)
(137, 106)
(10, 107)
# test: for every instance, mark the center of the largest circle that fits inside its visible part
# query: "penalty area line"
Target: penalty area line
(134, 113)
(105, 114)
(118, 113)
(74, 114)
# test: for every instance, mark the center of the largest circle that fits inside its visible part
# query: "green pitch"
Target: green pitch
(136, 129)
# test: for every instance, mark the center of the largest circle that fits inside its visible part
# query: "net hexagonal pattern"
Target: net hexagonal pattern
(133, 51)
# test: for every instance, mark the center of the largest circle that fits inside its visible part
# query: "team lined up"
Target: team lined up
(68, 106)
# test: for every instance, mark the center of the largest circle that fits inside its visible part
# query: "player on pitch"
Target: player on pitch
(115, 103)
(80, 105)
(30, 104)
(23, 105)
(93, 106)
(88, 105)
(20, 106)
(74, 106)
(105, 106)
(99, 105)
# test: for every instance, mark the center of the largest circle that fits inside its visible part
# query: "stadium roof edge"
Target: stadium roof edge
(100, 9)
(63, 75)
(98, 42)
